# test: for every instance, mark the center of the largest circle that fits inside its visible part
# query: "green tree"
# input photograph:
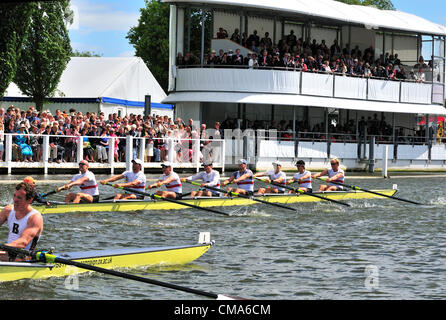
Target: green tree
(46, 51)
(77, 53)
(150, 39)
(14, 21)
(381, 4)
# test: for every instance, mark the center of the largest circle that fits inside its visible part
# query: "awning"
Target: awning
(368, 16)
(129, 103)
(301, 100)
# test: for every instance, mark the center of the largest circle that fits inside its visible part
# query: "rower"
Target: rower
(86, 181)
(135, 179)
(24, 222)
(243, 178)
(172, 182)
(302, 177)
(210, 177)
(335, 174)
(276, 176)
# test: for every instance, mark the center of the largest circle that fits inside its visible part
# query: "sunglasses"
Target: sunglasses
(333, 163)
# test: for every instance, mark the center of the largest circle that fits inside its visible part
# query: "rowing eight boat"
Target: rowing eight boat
(140, 205)
(107, 259)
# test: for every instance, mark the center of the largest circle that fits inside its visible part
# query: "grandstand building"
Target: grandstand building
(370, 80)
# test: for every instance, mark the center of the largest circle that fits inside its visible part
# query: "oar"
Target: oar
(52, 192)
(306, 193)
(44, 257)
(244, 196)
(154, 196)
(369, 191)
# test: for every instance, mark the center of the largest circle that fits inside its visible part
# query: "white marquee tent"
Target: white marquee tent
(101, 84)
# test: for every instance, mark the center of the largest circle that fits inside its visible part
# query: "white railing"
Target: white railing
(297, 82)
(185, 153)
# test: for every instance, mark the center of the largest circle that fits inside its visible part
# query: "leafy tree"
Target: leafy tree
(77, 53)
(46, 51)
(381, 4)
(15, 18)
(151, 39)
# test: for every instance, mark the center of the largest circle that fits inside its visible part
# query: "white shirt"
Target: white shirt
(332, 173)
(248, 183)
(212, 179)
(130, 176)
(305, 183)
(90, 186)
(174, 185)
(274, 176)
(16, 227)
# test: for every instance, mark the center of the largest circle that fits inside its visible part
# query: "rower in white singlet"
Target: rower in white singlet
(24, 222)
(86, 181)
(276, 175)
(302, 177)
(244, 178)
(171, 180)
(210, 178)
(335, 174)
(135, 179)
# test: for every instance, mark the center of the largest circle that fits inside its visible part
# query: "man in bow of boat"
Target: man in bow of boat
(86, 181)
(302, 177)
(172, 182)
(244, 178)
(335, 174)
(276, 175)
(210, 177)
(24, 222)
(135, 179)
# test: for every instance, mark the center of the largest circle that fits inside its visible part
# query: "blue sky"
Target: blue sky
(100, 26)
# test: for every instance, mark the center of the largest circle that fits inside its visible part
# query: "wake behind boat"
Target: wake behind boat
(108, 259)
(205, 202)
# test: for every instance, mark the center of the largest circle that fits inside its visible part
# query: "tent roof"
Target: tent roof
(368, 16)
(126, 79)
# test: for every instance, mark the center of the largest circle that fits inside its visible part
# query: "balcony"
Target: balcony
(293, 82)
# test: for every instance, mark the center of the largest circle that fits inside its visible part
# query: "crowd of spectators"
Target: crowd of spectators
(93, 130)
(294, 53)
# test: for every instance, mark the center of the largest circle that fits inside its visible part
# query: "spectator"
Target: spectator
(222, 33)
(236, 36)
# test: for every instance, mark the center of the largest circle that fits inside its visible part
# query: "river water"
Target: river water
(377, 249)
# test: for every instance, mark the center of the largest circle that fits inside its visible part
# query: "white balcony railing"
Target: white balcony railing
(307, 83)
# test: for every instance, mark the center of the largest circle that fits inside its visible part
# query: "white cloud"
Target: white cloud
(129, 53)
(103, 17)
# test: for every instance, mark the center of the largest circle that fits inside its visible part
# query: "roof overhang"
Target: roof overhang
(301, 100)
(328, 11)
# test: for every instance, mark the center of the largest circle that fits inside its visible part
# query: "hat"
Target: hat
(207, 164)
(243, 161)
(166, 164)
(29, 180)
(138, 161)
(213, 51)
(84, 162)
(277, 163)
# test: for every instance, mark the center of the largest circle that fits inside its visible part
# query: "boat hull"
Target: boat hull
(135, 205)
(107, 259)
